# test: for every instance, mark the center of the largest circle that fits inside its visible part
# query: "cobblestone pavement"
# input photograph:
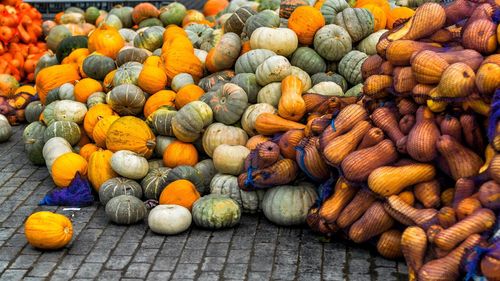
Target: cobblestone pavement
(254, 250)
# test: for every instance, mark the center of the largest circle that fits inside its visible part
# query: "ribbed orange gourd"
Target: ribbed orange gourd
(305, 21)
(152, 79)
(48, 231)
(291, 105)
(379, 15)
(94, 115)
(131, 133)
(86, 87)
(179, 192)
(180, 154)
(99, 168)
(87, 150)
(54, 76)
(188, 94)
(66, 167)
(106, 40)
(101, 130)
(159, 99)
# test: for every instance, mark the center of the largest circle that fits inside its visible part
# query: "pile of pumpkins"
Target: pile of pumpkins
(247, 109)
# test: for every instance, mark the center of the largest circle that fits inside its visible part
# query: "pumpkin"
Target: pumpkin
(206, 169)
(98, 67)
(188, 94)
(128, 73)
(248, 82)
(230, 159)
(330, 77)
(190, 121)
(66, 167)
(47, 230)
(369, 44)
(248, 62)
(94, 115)
(270, 94)
(87, 150)
(273, 69)
(249, 201)
(251, 114)
(265, 18)
(69, 44)
(180, 154)
(150, 38)
(350, 66)
(182, 61)
(65, 92)
(64, 129)
(5, 129)
(161, 121)
(105, 40)
(154, 182)
(282, 41)
(216, 212)
(159, 99)
(179, 192)
(305, 21)
(308, 60)
(288, 205)
(173, 13)
(56, 35)
(85, 87)
(54, 76)
(180, 80)
(379, 16)
(169, 219)
(143, 11)
(224, 54)
(213, 7)
(99, 168)
(126, 99)
(152, 79)
(49, 59)
(358, 22)
(330, 8)
(125, 209)
(288, 6)
(124, 14)
(130, 55)
(113, 21)
(54, 148)
(162, 144)
(398, 13)
(188, 173)
(131, 133)
(218, 133)
(228, 103)
(33, 111)
(129, 164)
(236, 22)
(192, 16)
(33, 142)
(332, 42)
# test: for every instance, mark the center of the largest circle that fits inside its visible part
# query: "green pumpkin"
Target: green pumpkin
(358, 22)
(124, 14)
(128, 35)
(70, 44)
(369, 44)
(229, 103)
(33, 142)
(187, 173)
(249, 201)
(150, 39)
(113, 21)
(308, 60)
(331, 8)
(350, 67)
(197, 33)
(330, 77)
(355, 91)
(180, 80)
(49, 116)
(248, 82)
(131, 55)
(65, 129)
(265, 18)
(91, 14)
(288, 6)
(288, 205)
(208, 42)
(125, 209)
(97, 66)
(303, 76)
(118, 186)
(236, 22)
(154, 182)
(128, 73)
(269, 5)
(190, 120)
(56, 35)
(67, 92)
(249, 61)
(207, 170)
(49, 59)
(96, 98)
(332, 42)
(162, 143)
(209, 81)
(173, 13)
(216, 211)
(160, 121)
(33, 111)
(126, 99)
(150, 23)
(52, 96)
(273, 69)
(270, 94)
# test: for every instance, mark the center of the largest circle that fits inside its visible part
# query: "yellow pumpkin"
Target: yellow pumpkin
(87, 150)
(65, 168)
(101, 130)
(99, 168)
(152, 79)
(94, 115)
(131, 133)
(48, 231)
(106, 40)
(161, 98)
(180, 61)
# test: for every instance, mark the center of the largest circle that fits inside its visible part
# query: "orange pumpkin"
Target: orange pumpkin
(54, 76)
(86, 87)
(305, 21)
(47, 230)
(398, 13)
(94, 115)
(99, 168)
(101, 129)
(144, 11)
(181, 61)
(177, 42)
(152, 79)
(179, 192)
(213, 7)
(378, 15)
(161, 98)
(383, 4)
(76, 56)
(245, 47)
(106, 40)
(172, 31)
(8, 85)
(192, 16)
(26, 89)
(153, 61)
(108, 81)
(180, 154)
(188, 94)
(87, 150)
(65, 168)
(131, 133)
(84, 139)
(291, 105)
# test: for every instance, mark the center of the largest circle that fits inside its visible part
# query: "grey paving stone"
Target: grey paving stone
(359, 266)
(13, 274)
(42, 269)
(235, 271)
(259, 275)
(383, 274)
(359, 277)
(109, 275)
(89, 270)
(139, 270)
(213, 263)
(164, 263)
(71, 262)
(63, 274)
(217, 249)
(238, 256)
(145, 255)
(185, 270)
(308, 276)
(191, 256)
(159, 275)
(209, 276)
(117, 262)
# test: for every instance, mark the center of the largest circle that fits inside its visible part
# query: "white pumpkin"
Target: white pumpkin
(218, 133)
(251, 114)
(180, 80)
(54, 148)
(270, 94)
(303, 76)
(369, 44)
(229, 159)
(201, 55)
(282, 41)
(169, 219)
(327, 88)
(68, 110)
(162, 142)
(129, 164)
(249, 201)
(5, 129)
(273, 69)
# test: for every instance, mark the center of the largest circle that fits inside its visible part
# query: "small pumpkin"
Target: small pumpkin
(180, 154)
(218, 133)
(228, 103)
(180, 80)
(188, 94)
(87, 150)
(169, 219)
(97, 67)
(159, 99)
(179, 192)
(282, 41)
(273, 69)
(332, 42)
(248, 62)
(150, 38)
(54, 76)
(131, 133)
(161, 121)
(236, 22)
(224, 54)
(54, 148)
(143, 11)
(118, 186)
(48, 231)
(66, 167)
(33, 111)
(305, 21)
(358, 22)
(131, 54)
(94, 115)
(125, 209)
(128, 73)
(270, 94)
(99, 168)
(129, 164)
(33, 142)
(190, 120)
(230, 159)
(350, 66)
(265, 18)
(64, 129)
(85, 87)
(154, 182)
(126, 99)
(216, 212)
(173, 13)
(249, 201)
(106, 40)
(5, 129)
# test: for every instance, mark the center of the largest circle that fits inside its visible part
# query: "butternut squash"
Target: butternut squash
(291, 105)
(371, 138)
(270, 124)
(341, 146)
(343, 194)
(421, 144)
(345, 120)
(414, 246)
(374, 221)
(385, 119)
(461, 161)
(387, 181)
(355, 209)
